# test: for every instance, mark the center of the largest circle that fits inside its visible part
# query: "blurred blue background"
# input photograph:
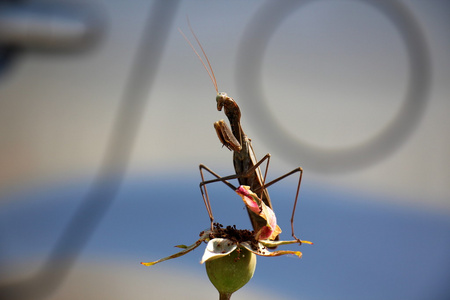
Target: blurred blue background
(106, 113)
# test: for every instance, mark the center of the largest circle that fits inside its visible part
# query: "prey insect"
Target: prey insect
(247, 167)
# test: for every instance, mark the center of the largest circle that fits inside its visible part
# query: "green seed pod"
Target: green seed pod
(231, 272)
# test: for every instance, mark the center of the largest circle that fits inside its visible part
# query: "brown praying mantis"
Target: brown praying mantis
(247, 167)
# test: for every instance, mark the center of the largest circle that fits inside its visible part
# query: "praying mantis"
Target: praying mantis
(247, 167)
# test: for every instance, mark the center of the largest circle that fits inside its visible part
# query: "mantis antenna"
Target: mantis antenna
(210, 70)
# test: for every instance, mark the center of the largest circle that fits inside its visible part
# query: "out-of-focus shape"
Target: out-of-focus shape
(50, 27)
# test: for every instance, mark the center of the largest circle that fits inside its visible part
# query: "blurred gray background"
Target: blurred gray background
(106, 113)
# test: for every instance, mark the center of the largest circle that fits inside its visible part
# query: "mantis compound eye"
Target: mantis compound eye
(220, 99)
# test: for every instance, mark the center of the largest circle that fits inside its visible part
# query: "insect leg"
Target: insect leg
(204, 190)
(297, 170)
(235, 176)
(226, 137)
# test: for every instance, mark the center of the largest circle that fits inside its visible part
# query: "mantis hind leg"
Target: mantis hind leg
(297, 170)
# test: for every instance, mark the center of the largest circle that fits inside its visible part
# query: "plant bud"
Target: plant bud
(231, 272)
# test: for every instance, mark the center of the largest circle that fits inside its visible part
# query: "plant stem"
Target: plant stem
(225, 296)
